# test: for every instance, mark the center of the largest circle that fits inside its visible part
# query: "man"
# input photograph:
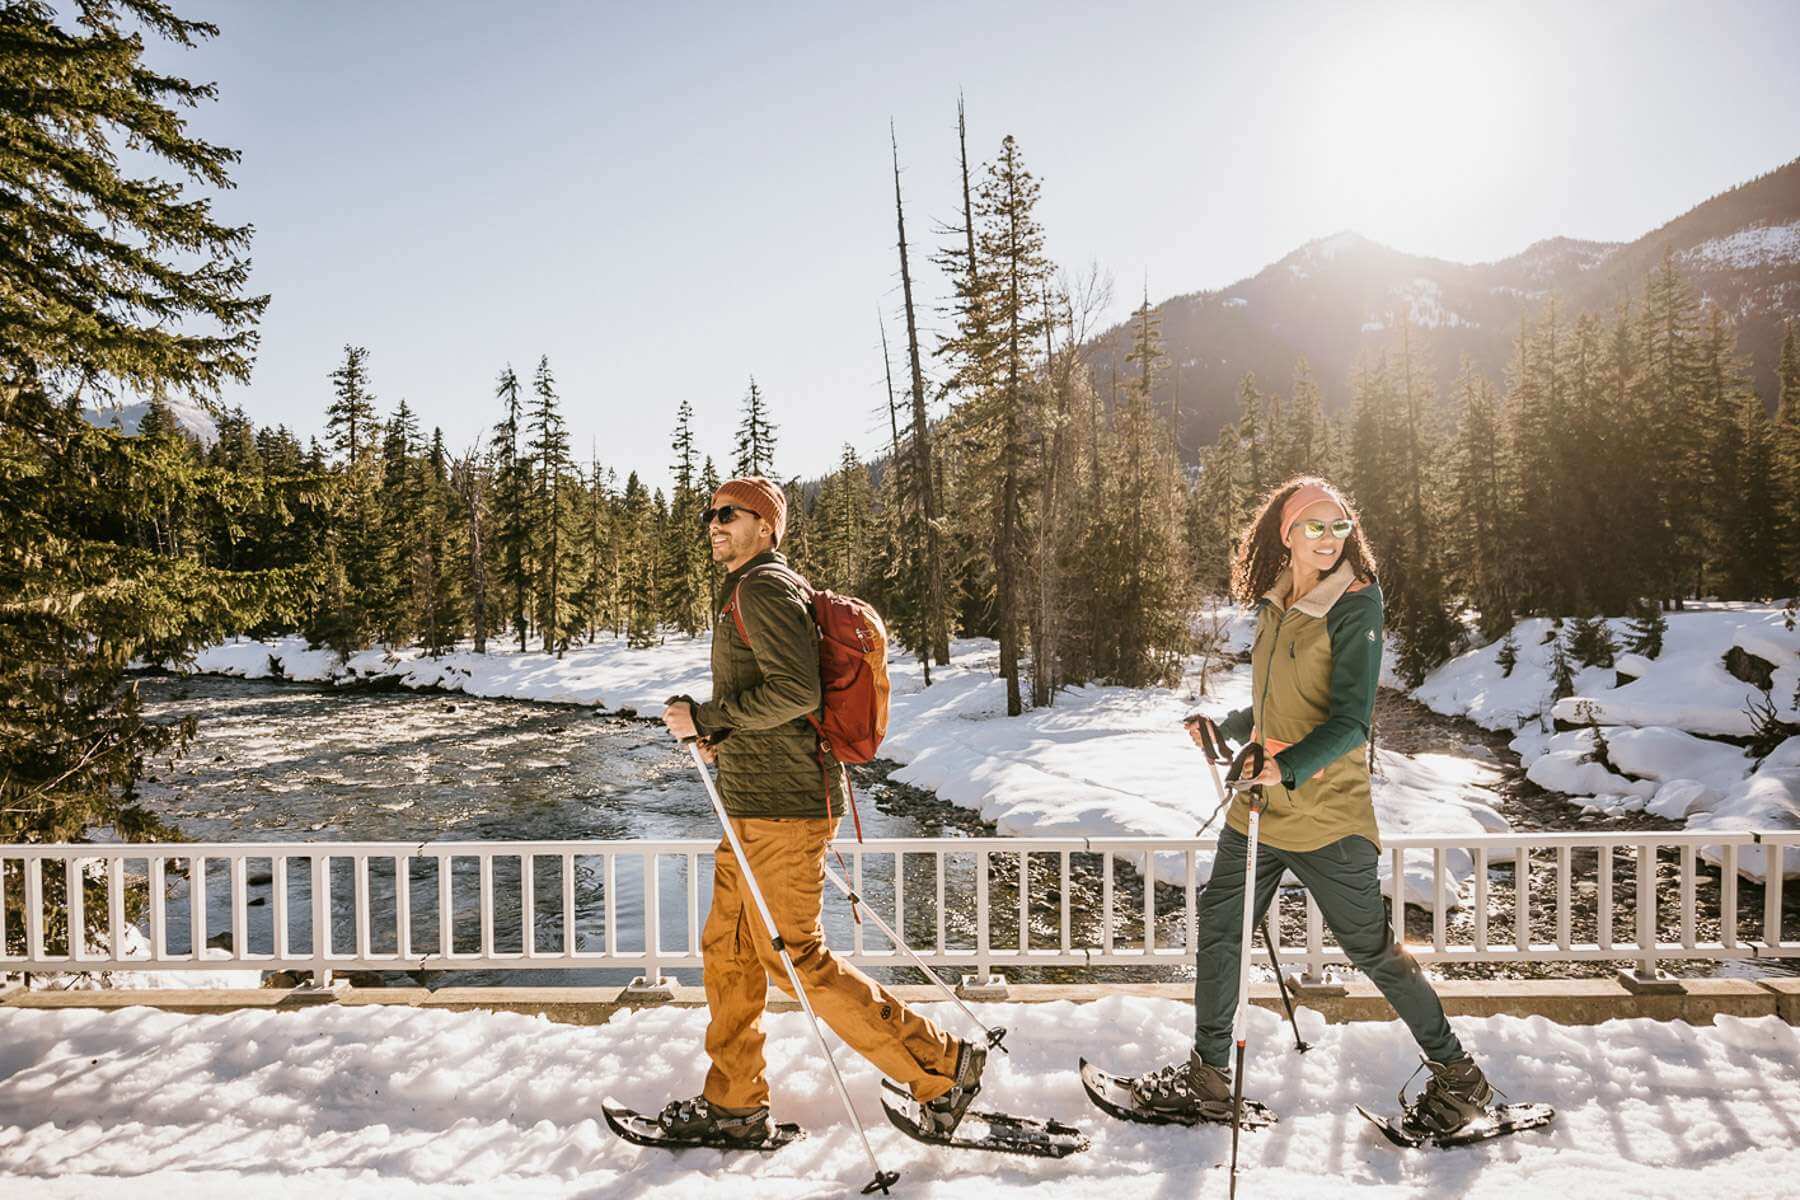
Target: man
(784, 794)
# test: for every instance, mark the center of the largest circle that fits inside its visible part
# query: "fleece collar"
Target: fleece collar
(1324, 594)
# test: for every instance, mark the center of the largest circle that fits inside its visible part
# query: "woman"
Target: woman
(1315, 665)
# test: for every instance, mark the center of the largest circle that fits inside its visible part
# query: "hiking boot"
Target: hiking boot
(945, 1113)
(1456, 1094)
(1185, 1089)
(699, 1119)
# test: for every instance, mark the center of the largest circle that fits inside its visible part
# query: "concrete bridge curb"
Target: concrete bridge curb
(1564, 1001)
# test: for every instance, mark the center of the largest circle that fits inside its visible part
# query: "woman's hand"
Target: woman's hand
(1199, 727)
(1270, 777)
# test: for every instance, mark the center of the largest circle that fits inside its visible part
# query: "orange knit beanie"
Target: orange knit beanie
(763, 497)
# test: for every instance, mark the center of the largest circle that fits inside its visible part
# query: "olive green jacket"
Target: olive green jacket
(763, 692)
(1314, 669)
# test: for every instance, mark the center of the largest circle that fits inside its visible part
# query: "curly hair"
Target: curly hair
(1261, 556)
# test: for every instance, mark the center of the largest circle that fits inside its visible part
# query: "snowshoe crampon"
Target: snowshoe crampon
(979, 1130)
(1111, 1094)
(643, 1130)
(1498, 1121)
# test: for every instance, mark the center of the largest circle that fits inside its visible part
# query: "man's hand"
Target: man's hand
(708, 752)
(678, 717)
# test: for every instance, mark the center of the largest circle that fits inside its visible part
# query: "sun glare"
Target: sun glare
(1418, 122)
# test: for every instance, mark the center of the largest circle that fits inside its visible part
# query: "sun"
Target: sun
(1416, 124)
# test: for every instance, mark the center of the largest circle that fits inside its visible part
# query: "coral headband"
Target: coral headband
(1303, 499)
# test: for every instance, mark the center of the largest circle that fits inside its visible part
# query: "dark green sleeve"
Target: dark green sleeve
(1237, 726)
(786, 645)
(1354, 624)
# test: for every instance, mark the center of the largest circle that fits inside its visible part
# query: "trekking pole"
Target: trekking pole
(1212, 748)
(1247, 766)
(996, 1035)
(883, 1179)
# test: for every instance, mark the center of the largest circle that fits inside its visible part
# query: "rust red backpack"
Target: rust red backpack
(853, 674)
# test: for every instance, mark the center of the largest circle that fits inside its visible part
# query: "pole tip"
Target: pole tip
(881, 1183)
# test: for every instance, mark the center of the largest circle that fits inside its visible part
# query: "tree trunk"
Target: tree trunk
(936, 626)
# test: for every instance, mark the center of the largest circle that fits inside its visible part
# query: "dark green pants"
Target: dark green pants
(1341, 878)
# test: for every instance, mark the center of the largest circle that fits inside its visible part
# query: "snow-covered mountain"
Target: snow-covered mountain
(191, 419)
(1335, 298)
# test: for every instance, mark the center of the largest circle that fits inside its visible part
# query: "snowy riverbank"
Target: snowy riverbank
(372, 1102)
(1103, 762)
(1663, 721)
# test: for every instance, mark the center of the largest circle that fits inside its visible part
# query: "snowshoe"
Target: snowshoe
(978, 1130)
(1173, 1095)
(1455, 1109)
(690, 1124)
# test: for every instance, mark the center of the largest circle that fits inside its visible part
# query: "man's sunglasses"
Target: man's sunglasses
(725, 514)
(1340, 529)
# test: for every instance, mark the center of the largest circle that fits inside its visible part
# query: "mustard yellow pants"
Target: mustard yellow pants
(788, 857)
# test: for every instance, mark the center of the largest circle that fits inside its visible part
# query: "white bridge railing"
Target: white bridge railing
(638, 905)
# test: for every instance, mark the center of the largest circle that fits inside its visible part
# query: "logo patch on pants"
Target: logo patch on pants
(887, 1012)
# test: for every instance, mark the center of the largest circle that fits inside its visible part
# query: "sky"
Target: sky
(668, 199)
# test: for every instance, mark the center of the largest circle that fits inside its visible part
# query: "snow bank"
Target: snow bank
(1769, 799)
(1661, 726)
(379, 1102)
(608, 674)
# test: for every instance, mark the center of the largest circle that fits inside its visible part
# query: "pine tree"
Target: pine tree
(1647, 630)
(470, 481)
(1718, 431)
(1304, 440)
(1479, 526)
(549, 448)
(113, 284)
(104, 268)
(512, 516)
(934, 623)
(1148, 595)
(1251, 436)
(1668, 386)
(1784, 452)
(712, 573)
(390, 591)
(755, 448)
(847, 536)
(1753, 524)
(350, 425)
(1508, 655)
(1010, 246)
(685, 554)
(637, 559)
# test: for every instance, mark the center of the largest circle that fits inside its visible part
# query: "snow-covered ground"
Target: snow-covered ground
(1661, 720)
(396, 1102)
(1103, 762)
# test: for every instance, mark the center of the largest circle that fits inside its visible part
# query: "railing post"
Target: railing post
(650, 987)
(321, 920)
(1645, 978)
(1772, 886)
(986, 984)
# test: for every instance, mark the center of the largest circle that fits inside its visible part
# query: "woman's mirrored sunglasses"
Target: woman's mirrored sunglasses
(725, 514)
(1314, 530)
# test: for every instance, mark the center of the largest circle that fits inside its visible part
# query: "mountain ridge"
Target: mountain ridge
(1338, 297)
